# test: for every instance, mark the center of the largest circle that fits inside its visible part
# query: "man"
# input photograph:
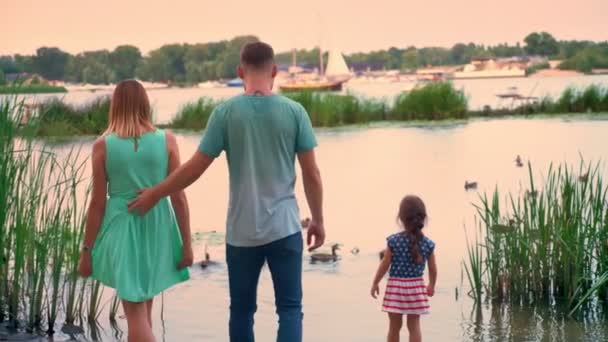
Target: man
(262, 134)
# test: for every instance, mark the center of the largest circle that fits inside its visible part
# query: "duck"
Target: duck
(531, 193)
(470, 185)
(518, 161)
(207, 262)
(355, 250)
(584, 177)
(381, 254)
(325, 257)
(305, 222)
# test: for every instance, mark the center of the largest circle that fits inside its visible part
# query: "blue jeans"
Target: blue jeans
(284, 259)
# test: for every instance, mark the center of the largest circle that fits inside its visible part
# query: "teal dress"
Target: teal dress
(137, 255)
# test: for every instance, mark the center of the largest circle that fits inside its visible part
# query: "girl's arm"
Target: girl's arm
(97, 206)
(432, 275)
(180, 205)
(382, 269)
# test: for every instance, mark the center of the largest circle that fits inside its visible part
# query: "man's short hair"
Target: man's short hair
(257, 55)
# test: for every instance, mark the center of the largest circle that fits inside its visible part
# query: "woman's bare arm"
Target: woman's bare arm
(99, 193)
(97, 205)
(180, 204)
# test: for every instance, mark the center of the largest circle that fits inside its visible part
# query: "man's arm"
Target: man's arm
(313, 187)
(185, 175)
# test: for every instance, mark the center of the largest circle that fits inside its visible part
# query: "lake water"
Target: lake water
(366, 171)
(481, 92)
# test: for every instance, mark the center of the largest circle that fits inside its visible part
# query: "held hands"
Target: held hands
(375, 291)
(85, 266)
(430, 290)
(316, 230)
(145, 201)
(187, 258)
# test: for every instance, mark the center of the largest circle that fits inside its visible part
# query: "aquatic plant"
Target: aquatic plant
(330, 110)
(31, 89)
(547, 244)
(194, 115)
(433, 101)
(41, 224)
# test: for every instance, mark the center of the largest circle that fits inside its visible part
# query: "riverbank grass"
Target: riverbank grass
(546, 244)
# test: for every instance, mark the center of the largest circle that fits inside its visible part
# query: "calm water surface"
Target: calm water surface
(366, 171)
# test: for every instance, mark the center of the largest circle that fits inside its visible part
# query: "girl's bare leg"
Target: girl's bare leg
(139, 329)
(395, 324)
(413, 326)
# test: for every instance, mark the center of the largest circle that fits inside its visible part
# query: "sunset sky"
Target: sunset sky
(349, 25)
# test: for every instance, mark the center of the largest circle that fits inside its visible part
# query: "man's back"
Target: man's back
(261, 136)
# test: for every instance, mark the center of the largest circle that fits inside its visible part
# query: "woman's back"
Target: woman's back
(132, 166)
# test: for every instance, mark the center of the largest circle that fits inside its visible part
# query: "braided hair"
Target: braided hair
(412, 214)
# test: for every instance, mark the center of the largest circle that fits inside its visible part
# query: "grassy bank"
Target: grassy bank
(546, 245)
(432, 102)
(58, 119)
(31, 89)
(41, 225)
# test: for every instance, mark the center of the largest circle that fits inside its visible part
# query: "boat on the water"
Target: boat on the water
(332, 79)
(237, 82)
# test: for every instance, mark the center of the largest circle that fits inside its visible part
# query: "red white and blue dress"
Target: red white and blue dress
(406, 290)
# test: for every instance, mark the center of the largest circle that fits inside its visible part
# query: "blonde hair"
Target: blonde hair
(130, 114)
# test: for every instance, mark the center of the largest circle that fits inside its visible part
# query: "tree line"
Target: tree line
(193, 63)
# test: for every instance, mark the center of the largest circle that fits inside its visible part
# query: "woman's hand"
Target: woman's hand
(430, 290)
(375, 291)
(187, 258)
(85, 266)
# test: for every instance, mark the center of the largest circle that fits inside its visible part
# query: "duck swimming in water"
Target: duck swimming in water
(518, 161)
(325, 257)
(207, 262)
(470, 185)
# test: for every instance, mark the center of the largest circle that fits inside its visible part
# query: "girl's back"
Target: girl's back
(132, 166)
(402, 262)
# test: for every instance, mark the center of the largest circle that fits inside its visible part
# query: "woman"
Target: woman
(139, 256)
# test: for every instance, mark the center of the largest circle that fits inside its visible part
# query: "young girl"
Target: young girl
(139, 256)
(406, 254)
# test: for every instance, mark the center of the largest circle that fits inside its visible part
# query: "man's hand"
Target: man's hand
(316, 231)
(187, 258)
(145, 201)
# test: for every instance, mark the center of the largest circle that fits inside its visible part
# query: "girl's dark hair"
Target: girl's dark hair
(412, 214)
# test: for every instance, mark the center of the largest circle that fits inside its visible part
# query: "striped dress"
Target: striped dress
(406, 290)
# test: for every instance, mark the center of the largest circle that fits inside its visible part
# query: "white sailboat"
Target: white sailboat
(335, 75)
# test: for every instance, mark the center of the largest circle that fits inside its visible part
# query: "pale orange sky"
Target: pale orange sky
(349, 25)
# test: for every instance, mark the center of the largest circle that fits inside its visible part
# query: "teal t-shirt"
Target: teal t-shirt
(261, 136)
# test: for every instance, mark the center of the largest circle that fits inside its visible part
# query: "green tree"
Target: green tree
(410, 59)
(543, 44)
(2, 78)
(51, 63)
(124, 61)
(231, 56)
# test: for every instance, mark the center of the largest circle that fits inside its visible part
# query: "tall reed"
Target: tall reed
(42, 215)
(548, 244)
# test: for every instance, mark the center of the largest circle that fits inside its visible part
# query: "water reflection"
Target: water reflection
(366, 171)
(503, 322)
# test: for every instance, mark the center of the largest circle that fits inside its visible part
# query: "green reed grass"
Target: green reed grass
(194, 115)
(548, 244)
(31, 89)
(330, 110)
(41, 225)
(433, 101)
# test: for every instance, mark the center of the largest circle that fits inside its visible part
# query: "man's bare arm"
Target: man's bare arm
(185, 175)
(313, 187)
